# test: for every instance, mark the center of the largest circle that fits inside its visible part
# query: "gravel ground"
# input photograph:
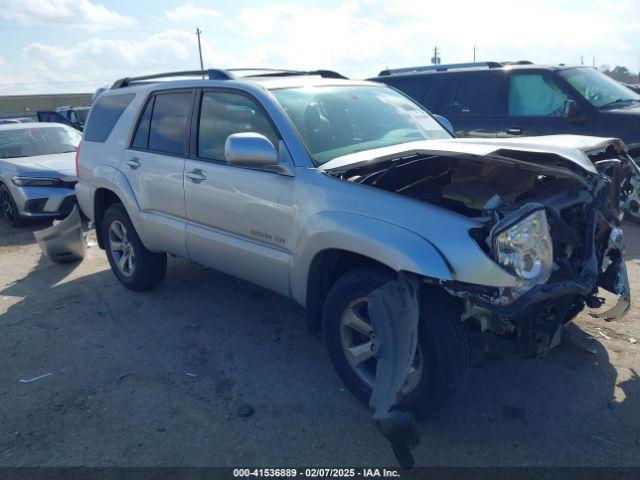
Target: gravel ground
(156, 378)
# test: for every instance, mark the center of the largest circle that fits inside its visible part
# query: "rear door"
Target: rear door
(535, 105)
(240, 219)
(417, 87)
(154, 166)
(469, 103)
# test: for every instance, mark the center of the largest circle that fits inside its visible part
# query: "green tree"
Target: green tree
(620, 73)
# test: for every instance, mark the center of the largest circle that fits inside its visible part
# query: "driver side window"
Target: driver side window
(222, 114)
(533, 95)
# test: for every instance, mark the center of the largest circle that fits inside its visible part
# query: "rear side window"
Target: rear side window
(141, 139)
(104, 115)
(168, 131)
(416, 88)
(475, 95)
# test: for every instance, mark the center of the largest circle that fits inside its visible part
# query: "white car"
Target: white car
(37, 171)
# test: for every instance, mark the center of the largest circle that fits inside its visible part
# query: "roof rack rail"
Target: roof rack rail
(225, 74)
(212, 74)
(517, 62)
(280, 72)
(438, 68)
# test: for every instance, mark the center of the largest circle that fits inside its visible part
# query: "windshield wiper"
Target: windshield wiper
(618, 100)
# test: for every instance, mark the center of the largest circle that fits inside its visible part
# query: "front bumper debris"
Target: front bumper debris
(394, 312)
(615, 278)
(65, 241)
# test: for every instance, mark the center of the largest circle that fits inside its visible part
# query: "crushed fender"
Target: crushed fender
(65, 241)
(394, 312)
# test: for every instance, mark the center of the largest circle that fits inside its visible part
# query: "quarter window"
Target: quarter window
(534, 95)
(104, 115)
(168, 131)
(223, 114)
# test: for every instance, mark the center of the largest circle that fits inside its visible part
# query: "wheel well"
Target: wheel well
(103, 199)
(327, 267)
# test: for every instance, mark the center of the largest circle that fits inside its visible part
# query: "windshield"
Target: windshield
(599, 89)
(31, 142)
(337, 121)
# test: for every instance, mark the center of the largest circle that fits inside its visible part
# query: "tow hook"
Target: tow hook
(394, 313)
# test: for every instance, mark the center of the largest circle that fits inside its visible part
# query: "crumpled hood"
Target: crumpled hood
(59, 164)
(569, 147)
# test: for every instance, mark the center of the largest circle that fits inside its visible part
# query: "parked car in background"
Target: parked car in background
(4, 121)
(633, 86)
(37, 171)
(73, 116)
(519, 99)
(324, 189)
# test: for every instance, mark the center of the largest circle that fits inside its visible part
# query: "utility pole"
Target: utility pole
(581, 59)
(594, 62)
(198, 32)
(475, 49)
(436, 57)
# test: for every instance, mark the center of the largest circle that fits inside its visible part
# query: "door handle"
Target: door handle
(134, 163)
(514, 130)
(196, 176)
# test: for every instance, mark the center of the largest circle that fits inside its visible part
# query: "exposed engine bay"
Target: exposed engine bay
(550, 222)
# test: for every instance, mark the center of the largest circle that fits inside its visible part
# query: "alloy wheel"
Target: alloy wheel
(357, 339)
(7, 205)
(121, 248)
(634, 199)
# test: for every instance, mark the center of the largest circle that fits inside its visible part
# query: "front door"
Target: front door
(535, 105)
(154, 166)
(240, 219)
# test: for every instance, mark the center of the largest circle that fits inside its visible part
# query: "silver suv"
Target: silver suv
(325, 190)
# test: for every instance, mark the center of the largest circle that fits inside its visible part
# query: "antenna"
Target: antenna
(198, 32)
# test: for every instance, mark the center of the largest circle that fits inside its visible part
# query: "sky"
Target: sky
(62, 46)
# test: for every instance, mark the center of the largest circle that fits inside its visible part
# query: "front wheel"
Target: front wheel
(633, 214)
(136, 267)
(9, 209)
(443, 356)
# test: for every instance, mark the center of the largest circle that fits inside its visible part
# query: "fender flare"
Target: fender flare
(120, 186)
(396, 247)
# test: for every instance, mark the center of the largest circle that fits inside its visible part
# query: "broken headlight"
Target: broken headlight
(525, 249)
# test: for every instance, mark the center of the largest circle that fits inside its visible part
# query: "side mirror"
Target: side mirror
(445, 123)
(573, 112)
(249, 150)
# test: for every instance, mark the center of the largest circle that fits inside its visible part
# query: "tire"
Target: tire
(145, 269)
(9, 209)
(443, 342)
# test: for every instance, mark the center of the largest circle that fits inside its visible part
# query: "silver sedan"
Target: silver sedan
(37, 171)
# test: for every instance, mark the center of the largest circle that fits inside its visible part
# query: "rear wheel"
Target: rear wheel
(442, 359)
(9, 208)
(136, 267)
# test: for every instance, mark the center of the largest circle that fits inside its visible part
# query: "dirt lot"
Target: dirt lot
(155, 379)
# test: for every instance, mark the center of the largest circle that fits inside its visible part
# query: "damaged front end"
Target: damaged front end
(551, 222)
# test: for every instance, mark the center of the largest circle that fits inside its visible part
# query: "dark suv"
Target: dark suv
(515, 99)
